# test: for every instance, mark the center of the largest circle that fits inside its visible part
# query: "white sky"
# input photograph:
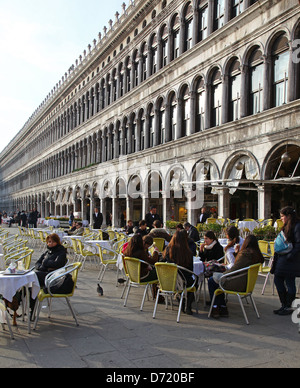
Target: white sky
(39, 41)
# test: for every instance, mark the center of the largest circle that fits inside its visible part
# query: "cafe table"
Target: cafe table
(93, 243)
(248, 225)
(11, 283)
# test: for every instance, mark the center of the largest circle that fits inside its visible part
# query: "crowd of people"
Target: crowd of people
(21, 218)
(239, 253)
(180, 249)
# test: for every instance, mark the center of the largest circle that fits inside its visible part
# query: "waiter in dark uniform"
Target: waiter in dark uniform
(98, 219)
(151, 217)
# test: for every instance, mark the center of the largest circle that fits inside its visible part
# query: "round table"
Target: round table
(248, 224)
(10, 284)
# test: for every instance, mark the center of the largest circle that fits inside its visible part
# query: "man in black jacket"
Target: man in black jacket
(151, 217)
(192, 231)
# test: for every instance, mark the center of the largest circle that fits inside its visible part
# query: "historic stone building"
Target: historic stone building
(176, 103)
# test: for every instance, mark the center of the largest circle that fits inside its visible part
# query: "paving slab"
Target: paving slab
(113, 336)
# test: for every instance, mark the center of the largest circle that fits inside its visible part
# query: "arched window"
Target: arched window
(135, 63)
(153, 57)
(114, 86)
(108, 90)
(141, 131)
(164, 46)
(173, 116)
(216, 98)
(219, 14)
(188, 27)
(161, 122)
(144, 61)
(121, 80)
(235, 91)
(255, 85)
(237, 7)
(128, 74)
(186, 112)
(280, 67)
(203, 22)
(200, 105)
(103, 94)
(151, 126)
(175, 37)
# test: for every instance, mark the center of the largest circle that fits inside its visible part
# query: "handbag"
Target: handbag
(282, 246)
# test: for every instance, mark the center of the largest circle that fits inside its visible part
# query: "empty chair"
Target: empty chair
(51, 280)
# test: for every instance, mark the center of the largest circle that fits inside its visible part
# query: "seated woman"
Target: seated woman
(211, 249)
(249, 254)
(138, 250)
(191, 243)
(178, 252)
(234, 244)
(54, 258)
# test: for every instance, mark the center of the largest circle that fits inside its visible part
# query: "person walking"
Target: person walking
(286, 266)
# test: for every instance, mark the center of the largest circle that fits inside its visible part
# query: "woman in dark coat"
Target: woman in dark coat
(211, 249)
(137, 249)
(286, 267)
(54, 258)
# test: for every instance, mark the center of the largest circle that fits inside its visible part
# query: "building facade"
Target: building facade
(177, 104)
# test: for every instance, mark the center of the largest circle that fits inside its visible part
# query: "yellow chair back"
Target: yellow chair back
(211, 220)
(167, 276)
(159, 243)
(134, 269)
(263, 246)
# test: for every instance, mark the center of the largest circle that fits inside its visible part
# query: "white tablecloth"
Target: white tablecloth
(198, 266)
(92, 247)
(10, 284)
(248, 224)
(54, 223)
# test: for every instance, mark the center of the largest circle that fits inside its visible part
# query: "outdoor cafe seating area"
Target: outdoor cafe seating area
(102, 249)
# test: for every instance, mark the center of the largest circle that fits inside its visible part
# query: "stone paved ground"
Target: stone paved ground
(113, 336)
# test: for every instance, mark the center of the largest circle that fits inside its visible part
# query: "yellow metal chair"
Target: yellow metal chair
(167, 274)
(75, 249)
(104, 263)
(159, 243)
(211, 220)
(252, 274)
(248, 219)
(272, 249)
(52, 279)
(263, 246)
(265, 269)
(25, 260)
(84, 253)
(42, 237)
(133, 267)
(279, 224)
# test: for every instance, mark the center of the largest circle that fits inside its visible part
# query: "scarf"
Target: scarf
(209, 247)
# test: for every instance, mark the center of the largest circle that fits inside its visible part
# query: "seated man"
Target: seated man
(192, 231)
(78, 231)
(159, 232)
(142, 230)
